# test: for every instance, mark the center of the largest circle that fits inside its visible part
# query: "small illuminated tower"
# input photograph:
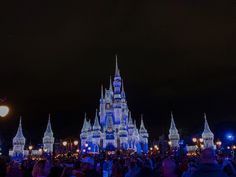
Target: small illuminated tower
(48, 139)
(84, 132)
(117, 105)
(96, 134)
(207, 135)
(137, 144)
(131, 137)
(143, 136)
(19, 142)
(173, 134)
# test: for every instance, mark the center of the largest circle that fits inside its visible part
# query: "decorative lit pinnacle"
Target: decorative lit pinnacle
(117, 71)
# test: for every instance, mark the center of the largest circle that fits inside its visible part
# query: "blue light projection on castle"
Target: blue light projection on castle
(114, 127)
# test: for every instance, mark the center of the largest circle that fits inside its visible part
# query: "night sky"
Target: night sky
(173, 55)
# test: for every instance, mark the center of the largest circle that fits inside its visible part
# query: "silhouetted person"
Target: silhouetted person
(208, 166)
(169, 168)
(41, 169)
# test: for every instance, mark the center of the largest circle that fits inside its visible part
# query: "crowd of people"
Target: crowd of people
(207, 164)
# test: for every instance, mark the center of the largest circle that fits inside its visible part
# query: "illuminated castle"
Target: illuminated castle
(114, 127)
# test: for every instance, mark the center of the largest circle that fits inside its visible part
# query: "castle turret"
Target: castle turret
(143, 136)
(117, 96)
(84, 132)
(131, 137)
(137, 139)
(48, 139)
(96, 134)
(173, 134)
(19, 143)
(207, 135)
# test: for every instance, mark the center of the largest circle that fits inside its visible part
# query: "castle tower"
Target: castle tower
(143, 136)
(48, 139)
(123, 134)
(173, 134)
(84, 132)
(19, 143)
(102, 111)
(207, 135)
(110, 140)
(96, 134)
(131, 138)
(136, 141)
(117, 96)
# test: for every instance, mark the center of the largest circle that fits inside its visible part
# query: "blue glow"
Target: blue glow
(230, 137)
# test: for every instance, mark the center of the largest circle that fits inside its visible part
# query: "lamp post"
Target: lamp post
(70, 146)
(199, 143)
(30, 150)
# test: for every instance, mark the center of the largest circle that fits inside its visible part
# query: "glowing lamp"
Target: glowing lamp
(30, 148)
(86, 145)
(201, 140)
(76, 143)
(64, 143)
(170, 143)
(151, 149)
(218, 143)
(89, 148)
(4, 110)
(40, 150)
(194, 140)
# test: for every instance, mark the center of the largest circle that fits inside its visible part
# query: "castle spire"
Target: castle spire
(96, 125)
(19, 133)
(110, 86)
(49, 127)
(130, 119)
(206, 125)
(172, 125)
(142, 123)
(117, 71)
(123, 91)
(85, 123)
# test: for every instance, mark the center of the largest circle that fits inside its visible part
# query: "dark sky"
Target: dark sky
(173, 55)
